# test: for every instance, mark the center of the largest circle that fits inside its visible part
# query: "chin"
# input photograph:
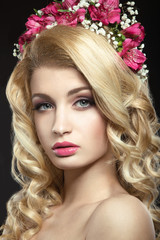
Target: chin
(70, 164)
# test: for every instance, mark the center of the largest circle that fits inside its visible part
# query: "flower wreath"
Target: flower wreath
(125, 33)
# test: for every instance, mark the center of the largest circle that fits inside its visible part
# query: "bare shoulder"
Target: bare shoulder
(122, 217)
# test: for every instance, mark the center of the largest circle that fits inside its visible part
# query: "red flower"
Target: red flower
(71, 19)
(36, 22)
(135, 32)
(34, 25)
(134, 59)
(69, 3)
(110, 4)
(51, 8)
(107, 12)
(97, 14)
(27, 37)
(127, 45)
(114, 16)
(131, 56)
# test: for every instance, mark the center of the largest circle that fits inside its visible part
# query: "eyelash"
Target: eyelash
(39, 105)
(90, 102)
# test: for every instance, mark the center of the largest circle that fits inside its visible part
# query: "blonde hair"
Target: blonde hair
(122, 98)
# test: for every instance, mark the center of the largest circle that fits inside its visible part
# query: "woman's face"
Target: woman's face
(69, 126)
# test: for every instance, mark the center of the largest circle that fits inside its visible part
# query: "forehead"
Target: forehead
(53, 78)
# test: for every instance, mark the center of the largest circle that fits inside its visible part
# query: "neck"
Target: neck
(90, 184)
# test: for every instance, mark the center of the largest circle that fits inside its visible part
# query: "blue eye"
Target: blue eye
(43, 107)
(84, 103)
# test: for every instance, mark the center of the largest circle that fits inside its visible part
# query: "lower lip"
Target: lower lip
(66, 151)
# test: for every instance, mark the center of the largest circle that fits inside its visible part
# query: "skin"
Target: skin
(95, 205)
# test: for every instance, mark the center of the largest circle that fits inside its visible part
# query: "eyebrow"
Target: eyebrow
(71, 92)
(76, 90)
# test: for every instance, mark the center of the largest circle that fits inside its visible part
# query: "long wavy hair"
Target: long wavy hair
(123, 100)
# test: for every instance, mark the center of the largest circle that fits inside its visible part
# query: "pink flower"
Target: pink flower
(69, 3)
(131, 56)
(114, 16)
(97, 14)
(51, 8)
(135, 32)
(36, 22)
(127, 45)
(26, 38)
(81, 14)
(34, 25)
(110, 4)
(71, 19)
(134, 59)
(107, 12)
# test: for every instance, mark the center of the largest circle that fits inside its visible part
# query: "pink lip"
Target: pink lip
(64, 149)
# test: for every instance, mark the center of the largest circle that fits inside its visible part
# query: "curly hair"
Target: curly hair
(125, 102)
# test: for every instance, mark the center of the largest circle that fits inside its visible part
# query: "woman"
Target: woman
(85, 150)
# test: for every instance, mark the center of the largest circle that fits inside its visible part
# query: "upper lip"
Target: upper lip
(64, 144)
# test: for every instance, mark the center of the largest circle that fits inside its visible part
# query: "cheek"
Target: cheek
(95, 127)
(42, 129)
(100, 129)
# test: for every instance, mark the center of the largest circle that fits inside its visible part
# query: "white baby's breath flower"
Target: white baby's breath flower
(143, 73)
(75, 8)
(86, 22)
(101, 31)
(108, 36)
(132, 3)
(136, 12)
(14, 53)
(142, 46)
(97, 4)
(126, 25)
(51, 25)
(86, 27)
(129, 9)
(132, 12)
(94, 26)
(83, 3)
(16, 45)
(128, 20)
(115, 44)
(70, 9)
(40, 12)
(124, 17)
(100, 24)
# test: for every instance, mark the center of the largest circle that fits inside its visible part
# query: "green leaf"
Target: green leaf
(63, 10)
(36, 11)
(123, 37)
(119, 49)
(120, 43)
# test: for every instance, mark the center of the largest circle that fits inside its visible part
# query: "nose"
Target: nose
(61, 122)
